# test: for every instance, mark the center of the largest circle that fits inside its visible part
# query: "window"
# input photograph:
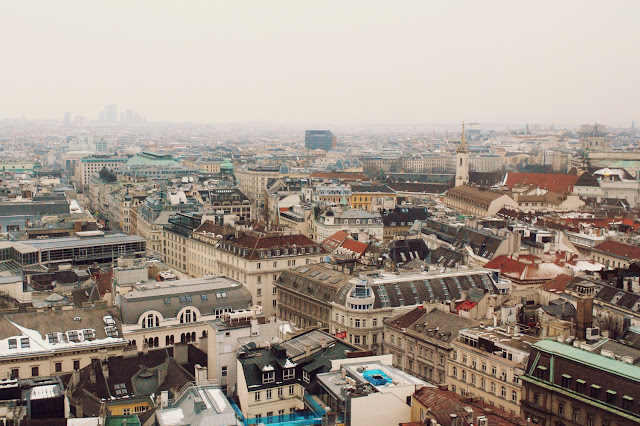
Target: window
(514, 396)
(493, 387)
(256, 396)
(13, 343)
(269, 394)
(121, 389)
(595, 391)
(454, 372)
(24, 342)
(566, 381)
(289, 373)
(76, 364)
(225, 370)
(292, 390)
(58, 367)
(536, 398)
(611, 397)
(35, 371)
(627, 403)
(167, 301)
(561, 409)
(280, 392)
(441, 359)
(268, 377)
(203, 297)
(503, 392)
(306, 377)
(576, 415)
(15, 373)
(464, 375)
(580, 385)
(494, 370)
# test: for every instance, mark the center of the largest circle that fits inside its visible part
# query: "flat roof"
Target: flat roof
(192, 285)
(65, 242)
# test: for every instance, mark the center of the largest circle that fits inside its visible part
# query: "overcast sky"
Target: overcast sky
(323, 62)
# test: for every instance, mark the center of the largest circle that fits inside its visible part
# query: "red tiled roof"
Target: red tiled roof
(355, 246)
(256, 242)
(334, 241)
(467, 305)
(442, 403)
(344, 240)
(551, 182)
(524, 268)
(558, 283)
(619, 249)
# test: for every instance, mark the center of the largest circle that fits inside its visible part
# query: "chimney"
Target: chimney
(201, 373)
(454, 419)
(181, 353)
(162, 375)
(164, 398)
(307, 350)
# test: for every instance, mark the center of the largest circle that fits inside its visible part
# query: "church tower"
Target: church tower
(462, 161)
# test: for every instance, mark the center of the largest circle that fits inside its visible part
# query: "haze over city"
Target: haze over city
(356, 62)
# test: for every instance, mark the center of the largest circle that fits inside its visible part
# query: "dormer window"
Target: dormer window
(24, 342)
(289, 373)
(269, 377)
(13, 343)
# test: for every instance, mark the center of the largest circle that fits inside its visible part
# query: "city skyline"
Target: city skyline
(293, 63)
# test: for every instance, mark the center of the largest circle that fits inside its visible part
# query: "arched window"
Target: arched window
(187, 316)
(204, 333)
(193, 336)
(156, 342)
(172, 339)
(167, 341)
(182, 338)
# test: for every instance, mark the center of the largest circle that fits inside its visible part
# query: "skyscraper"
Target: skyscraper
(319, 139)
(111, 113)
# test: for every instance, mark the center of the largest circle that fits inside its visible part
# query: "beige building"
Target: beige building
(52, 343)
(477, 201)
(486, 363)
(421, 341)
(87, 166)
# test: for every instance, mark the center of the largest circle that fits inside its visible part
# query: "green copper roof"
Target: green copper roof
(620, 368)
(226, 165)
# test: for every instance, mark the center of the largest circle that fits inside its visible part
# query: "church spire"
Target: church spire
(463, 142)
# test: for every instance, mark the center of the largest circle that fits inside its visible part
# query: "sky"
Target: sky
(325, 61)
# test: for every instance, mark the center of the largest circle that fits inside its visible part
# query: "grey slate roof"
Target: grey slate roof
(206, 294)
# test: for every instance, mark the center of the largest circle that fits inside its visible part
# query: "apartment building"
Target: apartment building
(87, 166)
(487, 363)
(57, 342)
(355, 307)
(421, 341)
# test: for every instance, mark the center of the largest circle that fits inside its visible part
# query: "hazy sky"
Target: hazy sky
(323, 61)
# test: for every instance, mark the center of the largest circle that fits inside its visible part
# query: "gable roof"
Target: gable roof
(553, 182)
(615, 248)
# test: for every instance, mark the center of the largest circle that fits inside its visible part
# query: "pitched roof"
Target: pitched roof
(340, 175)
(558, 283)
(616, 248)
(525, 268)
(442, 403)
(552, 182)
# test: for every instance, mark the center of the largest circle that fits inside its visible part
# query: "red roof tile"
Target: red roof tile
(551, 182)
(442, 403)
(619, 249)
(344, 240)
(558, 283)
(525, 268)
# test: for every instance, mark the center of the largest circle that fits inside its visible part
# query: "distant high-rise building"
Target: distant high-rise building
(67, 119)
(319, 139)
(101, 116)
(111, 113)
(129, 117)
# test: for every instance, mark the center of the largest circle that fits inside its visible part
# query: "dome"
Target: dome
(226, 165)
